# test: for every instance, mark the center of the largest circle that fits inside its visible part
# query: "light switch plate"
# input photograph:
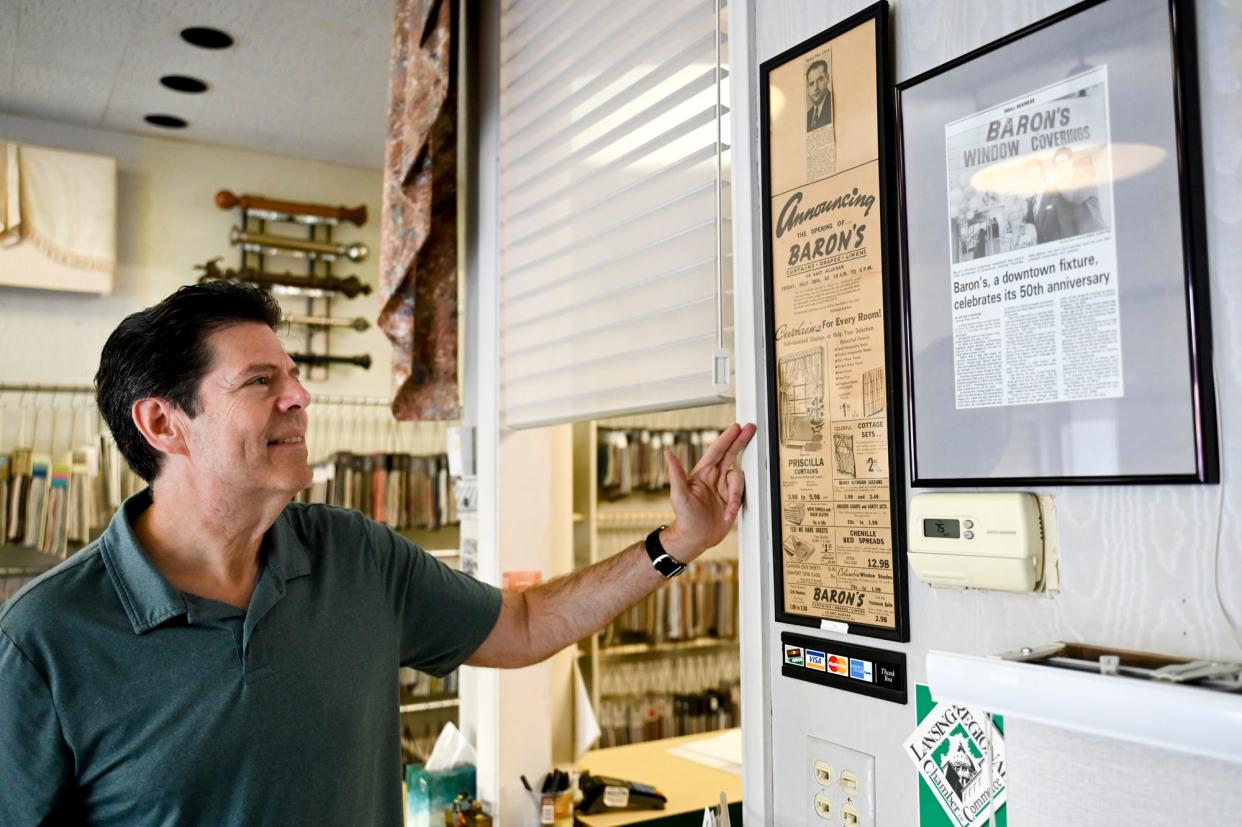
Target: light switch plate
(841, 759)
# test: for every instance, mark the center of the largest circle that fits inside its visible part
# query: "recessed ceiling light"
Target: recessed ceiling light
(206, 38)
(166, 121)
(184, 83)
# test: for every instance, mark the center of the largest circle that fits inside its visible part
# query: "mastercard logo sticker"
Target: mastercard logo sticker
(838, 665)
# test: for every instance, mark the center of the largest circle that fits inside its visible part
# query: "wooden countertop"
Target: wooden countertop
(689, 785)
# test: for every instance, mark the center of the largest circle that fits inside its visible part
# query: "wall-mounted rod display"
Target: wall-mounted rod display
(359, 324)
(350, 286)
(277, 245)
(363, 361)
(270, 209)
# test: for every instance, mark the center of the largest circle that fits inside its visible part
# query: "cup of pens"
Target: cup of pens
(554, 799)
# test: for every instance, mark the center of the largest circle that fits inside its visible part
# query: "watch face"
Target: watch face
(667, 566)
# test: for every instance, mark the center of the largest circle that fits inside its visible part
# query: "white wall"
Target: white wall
(1139, 565)
(167, 222)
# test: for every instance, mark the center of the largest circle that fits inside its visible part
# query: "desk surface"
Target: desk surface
(689, 785)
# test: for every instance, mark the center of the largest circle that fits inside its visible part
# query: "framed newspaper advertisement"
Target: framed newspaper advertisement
(831, 299)
(1054, 258)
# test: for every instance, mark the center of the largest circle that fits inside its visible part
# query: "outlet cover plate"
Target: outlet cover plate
(840, 758)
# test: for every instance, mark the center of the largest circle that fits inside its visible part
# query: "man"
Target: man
(1080, 202)
(222, 656)
(1044, 210)
(819, 113)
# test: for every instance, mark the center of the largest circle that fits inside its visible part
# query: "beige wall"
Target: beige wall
(167, 222)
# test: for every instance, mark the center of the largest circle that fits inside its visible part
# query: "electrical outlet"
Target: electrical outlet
(849, 788)
(823, 773)
(849, 782)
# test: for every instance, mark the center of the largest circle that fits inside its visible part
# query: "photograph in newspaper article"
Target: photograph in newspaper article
(821, 138)
(1033, 257)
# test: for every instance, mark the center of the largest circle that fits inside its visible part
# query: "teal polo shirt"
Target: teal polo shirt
(124, 701)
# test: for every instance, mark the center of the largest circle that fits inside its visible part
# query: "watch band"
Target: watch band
(661, 560)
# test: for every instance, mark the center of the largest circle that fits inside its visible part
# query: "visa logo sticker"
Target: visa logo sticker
(838, 665)
(816, 660)
(793, 655)
(861, 669)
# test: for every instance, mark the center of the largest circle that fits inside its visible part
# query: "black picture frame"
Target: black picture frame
(1196, 446)
(900, 630)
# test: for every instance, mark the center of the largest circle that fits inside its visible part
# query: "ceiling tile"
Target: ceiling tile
(131, 102)
(306, 78)
(88, 37)
(8, 39)
(235, 17)
(58, 94)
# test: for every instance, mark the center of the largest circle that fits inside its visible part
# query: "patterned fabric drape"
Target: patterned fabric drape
(418, 233)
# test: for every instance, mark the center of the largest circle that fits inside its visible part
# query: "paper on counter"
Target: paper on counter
(724, 752)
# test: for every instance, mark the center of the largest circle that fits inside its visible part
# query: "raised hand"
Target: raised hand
(706, 500)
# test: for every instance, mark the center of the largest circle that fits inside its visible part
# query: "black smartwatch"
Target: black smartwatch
(661, 561)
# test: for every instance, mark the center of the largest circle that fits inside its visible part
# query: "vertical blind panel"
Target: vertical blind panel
(613, 208)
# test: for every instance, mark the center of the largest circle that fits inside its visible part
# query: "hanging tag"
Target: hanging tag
(722, 370)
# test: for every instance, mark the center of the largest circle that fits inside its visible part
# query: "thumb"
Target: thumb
(676, 475)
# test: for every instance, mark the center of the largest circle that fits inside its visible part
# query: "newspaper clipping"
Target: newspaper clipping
(1034, 262)
(828, 345)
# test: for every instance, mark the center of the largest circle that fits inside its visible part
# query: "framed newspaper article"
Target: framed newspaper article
(1054, 258)
(832, 319)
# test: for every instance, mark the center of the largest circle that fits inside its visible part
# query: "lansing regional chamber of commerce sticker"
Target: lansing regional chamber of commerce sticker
(960, 756)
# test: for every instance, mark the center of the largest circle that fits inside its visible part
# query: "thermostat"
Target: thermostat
(980, 541)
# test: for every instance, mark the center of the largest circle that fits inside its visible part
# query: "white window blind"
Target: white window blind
(615, 274)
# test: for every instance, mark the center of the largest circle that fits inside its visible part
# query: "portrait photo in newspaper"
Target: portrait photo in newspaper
(821, 138)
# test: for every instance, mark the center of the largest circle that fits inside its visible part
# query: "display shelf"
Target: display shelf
(606, 521)
(22, 560)
(1184, 718)
(443, 542)
(637, 649)
(427, 706)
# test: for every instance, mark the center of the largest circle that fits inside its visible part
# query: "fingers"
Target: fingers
(736, 482)
(717, 450)
(676, 475)
(739, 444)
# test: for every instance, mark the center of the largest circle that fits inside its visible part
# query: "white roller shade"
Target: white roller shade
(616, 285)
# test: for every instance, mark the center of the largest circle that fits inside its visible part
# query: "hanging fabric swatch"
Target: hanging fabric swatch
(418, 234)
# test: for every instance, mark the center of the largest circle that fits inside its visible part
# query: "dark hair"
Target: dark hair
(820, 63)
(162, 351)
(1066, 151)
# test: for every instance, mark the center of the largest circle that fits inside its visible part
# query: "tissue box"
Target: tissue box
(428, 793)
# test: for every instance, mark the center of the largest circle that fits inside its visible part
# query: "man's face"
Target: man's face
(817, 84)
(250, 430)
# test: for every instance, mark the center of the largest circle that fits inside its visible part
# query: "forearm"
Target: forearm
(540, 621)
